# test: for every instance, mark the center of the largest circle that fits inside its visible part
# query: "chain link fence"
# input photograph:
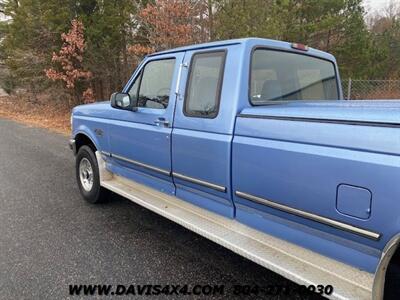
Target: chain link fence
(354, 89)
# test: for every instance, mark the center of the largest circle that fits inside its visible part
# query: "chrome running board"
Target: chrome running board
(296, 263)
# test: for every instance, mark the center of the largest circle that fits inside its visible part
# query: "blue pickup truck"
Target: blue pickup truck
(250, 144)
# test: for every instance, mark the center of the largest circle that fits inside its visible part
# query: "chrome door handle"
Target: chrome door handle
(161, 122)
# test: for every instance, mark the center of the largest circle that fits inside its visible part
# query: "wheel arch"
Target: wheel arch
(82, 138)
(390, 257)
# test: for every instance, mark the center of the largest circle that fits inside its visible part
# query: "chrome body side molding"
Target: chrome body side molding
(106, 153)
(140, 164)
(166, 172)
(200, 182)
(327, 221)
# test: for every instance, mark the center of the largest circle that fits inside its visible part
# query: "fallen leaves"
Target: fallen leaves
(53, 117)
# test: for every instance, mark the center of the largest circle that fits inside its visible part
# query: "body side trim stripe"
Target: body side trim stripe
(200, 182)
(106, 153)
(168, 173)
(316, 120)
(333, 223)
(146, 166)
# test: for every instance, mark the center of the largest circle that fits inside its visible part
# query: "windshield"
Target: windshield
(282, 76)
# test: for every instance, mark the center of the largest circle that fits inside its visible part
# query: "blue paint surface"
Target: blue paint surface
(354, 201)
(303, 155)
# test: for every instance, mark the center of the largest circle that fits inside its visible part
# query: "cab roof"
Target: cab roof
(249, 43)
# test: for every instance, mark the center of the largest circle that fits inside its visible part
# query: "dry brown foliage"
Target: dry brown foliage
(70, 57)
(393, 95)
(39, 114)
(172, 23)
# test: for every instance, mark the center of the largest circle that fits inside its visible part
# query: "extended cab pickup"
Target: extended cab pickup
(250, 144)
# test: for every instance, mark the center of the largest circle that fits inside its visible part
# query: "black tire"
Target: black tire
(392, 287)
(89, 184)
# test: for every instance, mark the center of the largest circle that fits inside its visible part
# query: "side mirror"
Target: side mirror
(122, 101)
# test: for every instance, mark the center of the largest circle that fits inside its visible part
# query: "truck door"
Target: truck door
(203, 128)
(140, 140)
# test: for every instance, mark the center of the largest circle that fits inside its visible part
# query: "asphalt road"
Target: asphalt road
(50, 238)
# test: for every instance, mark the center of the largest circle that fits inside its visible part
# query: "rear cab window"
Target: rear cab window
(286, 76)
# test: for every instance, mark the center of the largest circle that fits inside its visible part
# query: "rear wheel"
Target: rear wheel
(87, 176)
(392, 287)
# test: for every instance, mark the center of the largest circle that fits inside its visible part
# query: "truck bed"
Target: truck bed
(302, 156)
(363, 111)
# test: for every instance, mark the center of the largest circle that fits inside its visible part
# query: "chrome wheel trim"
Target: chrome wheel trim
(86, 174)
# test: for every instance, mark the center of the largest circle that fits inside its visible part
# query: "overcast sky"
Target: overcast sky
(374, 5)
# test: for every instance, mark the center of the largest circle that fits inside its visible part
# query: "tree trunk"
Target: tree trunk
(211, 20)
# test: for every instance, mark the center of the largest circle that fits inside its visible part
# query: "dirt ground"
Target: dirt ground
(53, 117)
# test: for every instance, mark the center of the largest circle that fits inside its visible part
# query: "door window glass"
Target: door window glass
(155, 84)
(204, 84)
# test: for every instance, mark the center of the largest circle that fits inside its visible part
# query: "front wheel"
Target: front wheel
(88, 178)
